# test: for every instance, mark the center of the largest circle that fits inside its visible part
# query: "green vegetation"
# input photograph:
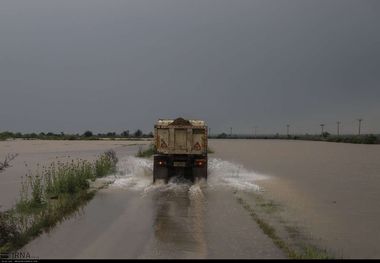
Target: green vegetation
(48, 197)
(147, 152)
(326, 137)
(304, 252)
(209, 150)
(87, 135)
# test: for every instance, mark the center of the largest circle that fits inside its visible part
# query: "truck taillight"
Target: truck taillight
(199, 163)
(161, 163)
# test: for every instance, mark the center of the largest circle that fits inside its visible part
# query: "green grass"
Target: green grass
(50, 196)
(147, 152)
(306, 251)
(209, 150)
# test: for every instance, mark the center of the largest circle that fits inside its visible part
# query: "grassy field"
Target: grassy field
(302, 250)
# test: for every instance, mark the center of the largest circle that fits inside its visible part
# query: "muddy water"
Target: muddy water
(134, 218)
(332, 190)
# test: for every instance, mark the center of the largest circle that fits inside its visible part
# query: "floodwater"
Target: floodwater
(331, 190)
(34, 154)
(134, 218)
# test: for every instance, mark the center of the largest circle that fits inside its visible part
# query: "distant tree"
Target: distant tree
(369, 139)
(88, 134)
(222, 135)
(325, 134)
(7, 134)
(125, 133)
(150, 135)
(111, 134)
(138, 133)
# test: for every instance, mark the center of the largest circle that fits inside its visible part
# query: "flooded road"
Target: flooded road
(329, 191)
(135, 219)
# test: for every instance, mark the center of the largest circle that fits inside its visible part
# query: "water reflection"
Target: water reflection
(179, 219)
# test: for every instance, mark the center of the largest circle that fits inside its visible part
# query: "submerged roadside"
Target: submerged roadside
(49, 196)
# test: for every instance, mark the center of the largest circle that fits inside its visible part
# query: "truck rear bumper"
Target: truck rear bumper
(193, 166)
(181, 160)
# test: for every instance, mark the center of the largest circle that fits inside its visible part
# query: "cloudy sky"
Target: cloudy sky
(73, 65)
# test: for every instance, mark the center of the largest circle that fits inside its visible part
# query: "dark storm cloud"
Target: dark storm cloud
(115, 65)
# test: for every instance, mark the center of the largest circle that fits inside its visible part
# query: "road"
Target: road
(135, 219)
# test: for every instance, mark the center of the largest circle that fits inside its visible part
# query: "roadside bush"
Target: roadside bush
(8, 228)
(146, 153)
(49, 196)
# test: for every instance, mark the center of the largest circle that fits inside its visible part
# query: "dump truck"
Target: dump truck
(180, 149)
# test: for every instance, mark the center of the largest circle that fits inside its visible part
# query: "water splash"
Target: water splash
(136, 174)
(228, 174)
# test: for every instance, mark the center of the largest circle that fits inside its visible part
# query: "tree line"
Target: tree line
(87, 135)
(325, 136)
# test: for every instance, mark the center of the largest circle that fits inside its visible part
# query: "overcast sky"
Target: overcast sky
(73, 65)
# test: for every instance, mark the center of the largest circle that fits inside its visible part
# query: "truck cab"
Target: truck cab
(180, 149)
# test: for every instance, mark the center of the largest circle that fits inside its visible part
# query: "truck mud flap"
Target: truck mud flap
(200, 173)
(160, 169)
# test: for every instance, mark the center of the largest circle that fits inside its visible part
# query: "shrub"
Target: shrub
(8, 228)
(50, 196)
(88, 134)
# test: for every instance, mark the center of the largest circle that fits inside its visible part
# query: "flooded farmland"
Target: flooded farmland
(329, 191)
(332, 190)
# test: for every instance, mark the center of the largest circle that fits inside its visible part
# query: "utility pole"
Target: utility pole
(209, 131)
(254, 131)
(287, 129)
(337, 127)
(322, 128)
(230, 131)
(360, 125)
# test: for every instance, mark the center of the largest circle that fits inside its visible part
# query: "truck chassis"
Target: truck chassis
(192, 167)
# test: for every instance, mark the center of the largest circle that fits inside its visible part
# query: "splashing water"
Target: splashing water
(225, 173)
(136, 174)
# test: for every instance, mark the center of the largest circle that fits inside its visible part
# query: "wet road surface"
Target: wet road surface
(135, 219)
